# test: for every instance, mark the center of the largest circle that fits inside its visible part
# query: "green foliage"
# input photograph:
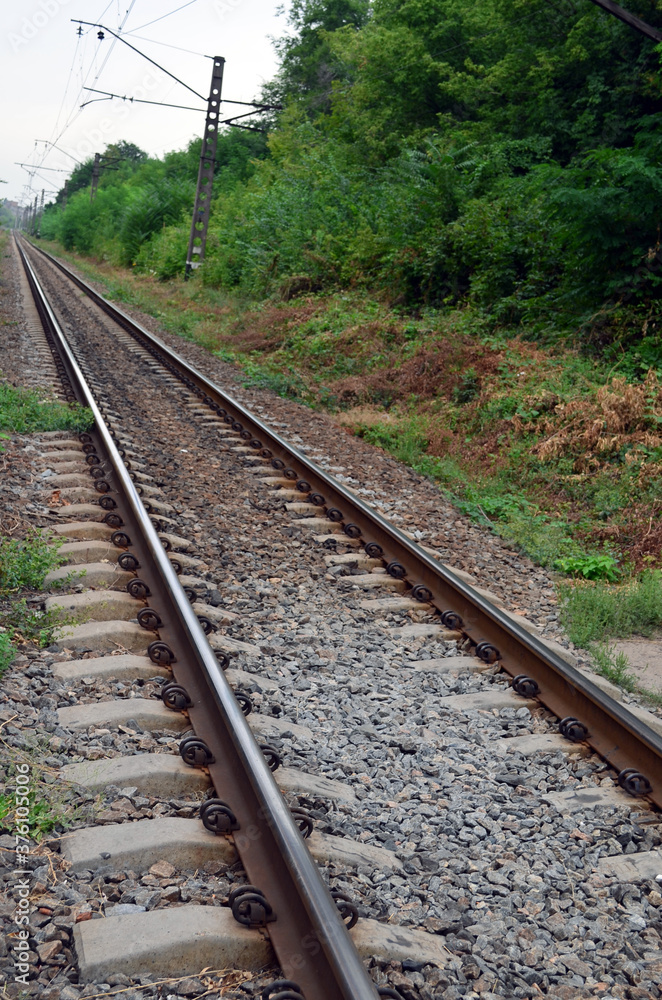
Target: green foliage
(309, 65)
(7, 651)
(424, 155)
(23, 565)
(42, 817)
(8, 217)
(483, 504)
(637, 360)
(541, 537)
(151, 210)
(162, 255)
(24, 411)
(80, 178)
(123, 150)
(24, 562)
(593, 612)
(289, 385)
(602, 213)
(590, 567)
(516, 168)
(407, 443)
(467, 389)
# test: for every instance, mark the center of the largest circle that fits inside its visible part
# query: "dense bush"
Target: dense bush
(141, 198)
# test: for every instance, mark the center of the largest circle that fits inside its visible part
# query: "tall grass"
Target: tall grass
(593, 612)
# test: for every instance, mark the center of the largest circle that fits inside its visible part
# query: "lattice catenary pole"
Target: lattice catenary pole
(41, 212)
(200, 222)
(96, 170)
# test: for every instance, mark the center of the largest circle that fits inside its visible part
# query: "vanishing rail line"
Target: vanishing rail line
(287, 899)
(586, 713)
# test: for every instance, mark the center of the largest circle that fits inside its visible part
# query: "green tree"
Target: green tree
(308, 65)
(123, 150)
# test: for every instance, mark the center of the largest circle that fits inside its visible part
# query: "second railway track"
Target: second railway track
(395, 694)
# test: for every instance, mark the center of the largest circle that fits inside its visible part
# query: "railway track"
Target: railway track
(247, 810)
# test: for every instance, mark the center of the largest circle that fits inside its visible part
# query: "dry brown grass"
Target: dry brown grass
(436, 369)
(265, 328)
(365, 416)
(621, 416)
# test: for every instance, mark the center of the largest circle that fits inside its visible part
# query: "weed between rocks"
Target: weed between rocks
(24, 624)
(53, 805)
(24, 562)
(23, 411)
(6, 651)
(612, 665)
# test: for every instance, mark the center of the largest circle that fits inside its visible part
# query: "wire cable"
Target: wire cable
(136, 100)
(76, 111)
(113, 43)
(163, 17)
(167, 45)
(66, 89)
(152, 61)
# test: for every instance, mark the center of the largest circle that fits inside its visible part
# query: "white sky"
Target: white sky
(44, 64)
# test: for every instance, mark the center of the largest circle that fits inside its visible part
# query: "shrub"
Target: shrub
(590, 567)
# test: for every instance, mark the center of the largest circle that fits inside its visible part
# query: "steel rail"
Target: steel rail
(616, 734)
(309, 938)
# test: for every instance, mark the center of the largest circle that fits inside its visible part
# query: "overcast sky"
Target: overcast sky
(44, 64)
